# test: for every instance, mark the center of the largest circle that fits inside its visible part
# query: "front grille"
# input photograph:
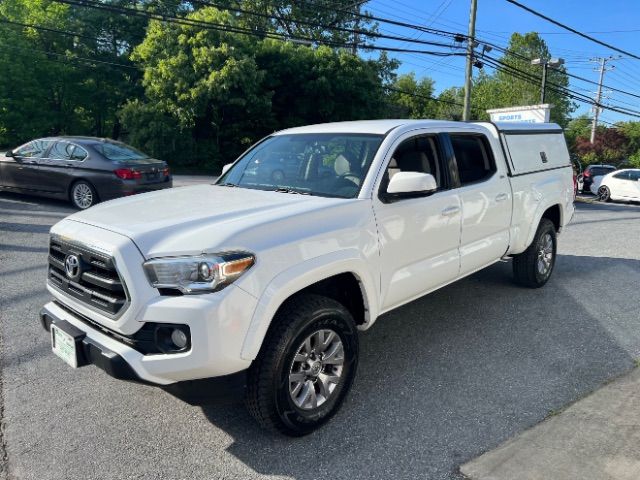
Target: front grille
(97, 282)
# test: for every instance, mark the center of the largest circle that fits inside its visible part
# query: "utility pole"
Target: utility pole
(468, 71)
(596, 108)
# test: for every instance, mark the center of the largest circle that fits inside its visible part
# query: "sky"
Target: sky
(616, 22)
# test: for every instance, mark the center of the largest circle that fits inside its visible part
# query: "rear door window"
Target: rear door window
(634, 175)
(474, 161)
(67, 151)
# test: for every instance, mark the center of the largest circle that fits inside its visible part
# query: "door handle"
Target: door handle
(449, 211)
(501, 197)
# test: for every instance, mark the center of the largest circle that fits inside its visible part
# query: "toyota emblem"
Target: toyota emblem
(72, 266)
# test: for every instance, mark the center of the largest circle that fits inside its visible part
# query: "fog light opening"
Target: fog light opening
(172, 338)
(179, 339)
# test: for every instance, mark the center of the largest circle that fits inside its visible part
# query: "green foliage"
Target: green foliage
(415, 102)
(47, 86)
(450, 104)
(578, 127)
(224, 91)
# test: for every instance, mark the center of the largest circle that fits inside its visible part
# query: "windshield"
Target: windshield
(326, 164)
(118, 152)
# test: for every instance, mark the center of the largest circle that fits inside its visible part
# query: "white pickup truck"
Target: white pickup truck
(261, 281)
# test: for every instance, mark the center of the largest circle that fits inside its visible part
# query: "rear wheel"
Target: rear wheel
(604, 194)
(533, 267)
(83, 195)
(306, 366)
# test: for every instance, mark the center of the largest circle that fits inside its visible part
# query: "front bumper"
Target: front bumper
(93, 349)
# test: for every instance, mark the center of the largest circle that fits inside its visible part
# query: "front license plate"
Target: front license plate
(64, 346)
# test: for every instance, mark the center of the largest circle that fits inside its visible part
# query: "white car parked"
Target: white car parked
(264, 280)
(623, 185)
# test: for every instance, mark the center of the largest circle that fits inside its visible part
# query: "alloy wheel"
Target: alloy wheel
(316, 369)
(83, 195)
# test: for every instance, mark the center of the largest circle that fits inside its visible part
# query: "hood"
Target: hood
(205, 218)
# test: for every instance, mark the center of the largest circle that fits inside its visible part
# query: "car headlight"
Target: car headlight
(198, 274)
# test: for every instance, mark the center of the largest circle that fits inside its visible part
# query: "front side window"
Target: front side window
(118, 152)
(634, 175)
(326, 164)
(472, 157)
(416, 154)
(67, 151)
(34, 149)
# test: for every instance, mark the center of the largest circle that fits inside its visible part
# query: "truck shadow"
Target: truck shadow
(460, 371)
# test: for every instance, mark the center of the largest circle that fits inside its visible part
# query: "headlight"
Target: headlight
(199, 274)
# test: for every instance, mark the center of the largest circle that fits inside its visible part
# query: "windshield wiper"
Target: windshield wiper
(228, 184)
(290, 190)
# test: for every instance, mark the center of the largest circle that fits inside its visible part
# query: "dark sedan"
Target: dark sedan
(83, 170)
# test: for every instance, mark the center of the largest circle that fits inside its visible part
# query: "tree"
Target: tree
(415, 102)
(450, 103)
(578, 127)
(70, 74)
(224, 90)
(610, 146)
(305, 19)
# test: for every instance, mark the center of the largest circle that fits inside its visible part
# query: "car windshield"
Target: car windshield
(327, 164)
(118, 152)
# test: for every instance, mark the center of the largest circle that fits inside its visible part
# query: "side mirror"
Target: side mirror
(412, 183)
(9, 153)
(226, 168)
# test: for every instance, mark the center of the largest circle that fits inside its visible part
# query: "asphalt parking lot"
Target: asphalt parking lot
(441, 380)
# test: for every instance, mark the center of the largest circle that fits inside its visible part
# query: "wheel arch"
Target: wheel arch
(551, 212)
(346, 281)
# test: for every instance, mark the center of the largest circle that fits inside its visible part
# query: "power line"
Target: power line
(577, 77)
(71, 60)
(425, 97)
(315, 24)
(561, 90)
(572, 30)
(230, 29)
(52, 30)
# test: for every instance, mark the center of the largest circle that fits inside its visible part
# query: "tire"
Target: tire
(533, 267)
(604, 194)
(83, 195)
(281, 387)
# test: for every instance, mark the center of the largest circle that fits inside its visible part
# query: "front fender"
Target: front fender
(300, 276)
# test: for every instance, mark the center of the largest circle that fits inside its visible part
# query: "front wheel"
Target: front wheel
(306, 366)
(532, 268)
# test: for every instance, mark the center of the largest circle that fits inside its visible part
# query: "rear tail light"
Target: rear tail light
(165, 172)
(128, 174)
